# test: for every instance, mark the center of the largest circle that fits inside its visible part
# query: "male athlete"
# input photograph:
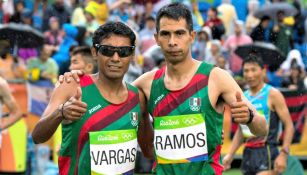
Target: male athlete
(261, 155)
(100, 115)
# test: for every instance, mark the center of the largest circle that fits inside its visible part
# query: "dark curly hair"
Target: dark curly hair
(116, 28)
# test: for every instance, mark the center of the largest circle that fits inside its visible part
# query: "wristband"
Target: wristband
(251, 116)
(285, 150)
(62, 111)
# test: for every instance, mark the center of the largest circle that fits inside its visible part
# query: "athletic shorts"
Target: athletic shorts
(259, 159)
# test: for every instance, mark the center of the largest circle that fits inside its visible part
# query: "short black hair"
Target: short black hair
(175, 11)
(86, 55)
(113, 28)
(253, 58)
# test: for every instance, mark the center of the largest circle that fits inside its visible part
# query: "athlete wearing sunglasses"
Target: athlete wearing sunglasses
(122, 51)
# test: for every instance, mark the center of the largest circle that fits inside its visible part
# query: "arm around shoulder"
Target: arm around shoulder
(53, 114)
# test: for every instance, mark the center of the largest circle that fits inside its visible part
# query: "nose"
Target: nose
(115, 57)
(172, 41)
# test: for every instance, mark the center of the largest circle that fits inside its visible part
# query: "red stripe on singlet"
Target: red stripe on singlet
(216, 166)
(103, 118)
(172, 100)
(159, 73)
(85, 80)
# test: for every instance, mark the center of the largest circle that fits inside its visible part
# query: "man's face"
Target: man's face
(174, 39)
(238, 29)
(253, 74)
(77, 63)
(113, 67)
(45, 53)
(211, 14)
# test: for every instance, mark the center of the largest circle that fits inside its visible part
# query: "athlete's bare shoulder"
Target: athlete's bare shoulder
(144, 82)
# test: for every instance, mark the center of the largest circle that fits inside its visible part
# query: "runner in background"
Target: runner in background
(261, 154)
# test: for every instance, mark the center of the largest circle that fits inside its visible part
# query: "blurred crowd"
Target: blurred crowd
(222, 26)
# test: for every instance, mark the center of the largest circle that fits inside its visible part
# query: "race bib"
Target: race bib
(113, 152)
(180, 139)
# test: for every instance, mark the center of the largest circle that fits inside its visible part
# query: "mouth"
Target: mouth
(174, 53)
(114, 67)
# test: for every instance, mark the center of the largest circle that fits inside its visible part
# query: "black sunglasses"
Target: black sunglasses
(109, 51)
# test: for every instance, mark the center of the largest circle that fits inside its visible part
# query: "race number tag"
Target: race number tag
(113, 152)
(180, 139)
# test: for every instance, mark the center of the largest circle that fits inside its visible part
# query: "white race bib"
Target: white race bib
(113, 152)
(180, 139)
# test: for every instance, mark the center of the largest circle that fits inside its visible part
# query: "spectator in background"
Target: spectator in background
(215, 24)
(82, 59)
(100, 8)
(202, 44)
(57, 9)
(91, 24)
(294, 57)
(280, 35)
(146, 35)
(62, 55)
(228, 15)
(10, 68)
(295, 80)
(43, 67)
(54, 36)
(19, 9)
(214, 52)
(222, 63)
(251, 20)
(258, 33)
(238, 39)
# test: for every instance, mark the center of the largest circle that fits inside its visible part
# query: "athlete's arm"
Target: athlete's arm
(144, 83)
(279, 105)
(145, 131)
(221, 84)
(9, 101)
(235, 145)
(65, 105)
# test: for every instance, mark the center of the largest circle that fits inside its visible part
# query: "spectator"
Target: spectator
(251, 20)
(214, 52)
(146, 35)
(202, 44)
(19, 9)
(57, 9)
(228, 14)
(100, 8)
(222, 63)
(91, 24)
(238, 39)
(215, 24)
(43, 67)
(258, 33)
(294, 57)
(295, 80)
(54, 36)
(280, 35)
(10, 68)
(62, 55)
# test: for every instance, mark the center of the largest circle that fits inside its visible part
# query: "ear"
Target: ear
(94, 52)
(157, 38)
(193, 36)
(89, 67)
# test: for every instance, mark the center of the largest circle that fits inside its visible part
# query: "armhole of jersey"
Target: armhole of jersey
(158, 74)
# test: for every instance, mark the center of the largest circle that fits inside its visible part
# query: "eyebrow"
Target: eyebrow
(176, 31)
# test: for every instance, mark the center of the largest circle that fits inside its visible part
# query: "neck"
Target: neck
(182, 69)
(112, 86)
(256, 89)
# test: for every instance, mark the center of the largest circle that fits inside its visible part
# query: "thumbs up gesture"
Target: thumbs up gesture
(239, 110)
(74, 108)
